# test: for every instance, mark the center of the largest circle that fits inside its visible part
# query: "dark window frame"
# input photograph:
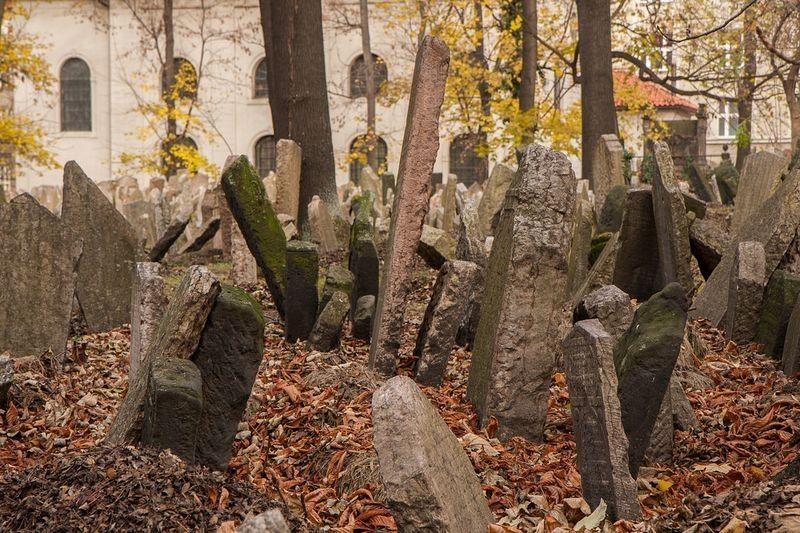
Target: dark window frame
(265, 161)
(355, 165)
(358, 75)
(75, 95)
(260, 80)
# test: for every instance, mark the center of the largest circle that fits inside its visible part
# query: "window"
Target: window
(7, 178)
(186, 74)
(728, 120)
(661, 59)
(464, 162)
(76, 96)
(358, 146)
(265, 155)
(358, 75)
(260, 87)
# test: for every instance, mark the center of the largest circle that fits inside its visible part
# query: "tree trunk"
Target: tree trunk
(169, 76)
(598, 115)
(746, 87)
(371, 90)
(298, 95)
(789, 90)
(2, 11)
(483, 90)
(530, 52)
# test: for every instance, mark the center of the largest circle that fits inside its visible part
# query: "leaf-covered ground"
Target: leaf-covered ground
(305, 445)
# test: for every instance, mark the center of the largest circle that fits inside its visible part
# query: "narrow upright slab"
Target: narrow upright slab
(607, 167)
(494, 194)
(177, 336)
(39, 269)
(526, 282)
(328, 327)
(791, 346)
(302, 269)
(148, 304)
(430, 483)
(748, 279)
(105, 272)
(258, 222)
(287, 170)
(761, 176)
(580, 247)
(323, 230)
(636, 269)
(244, 270)
(783, 290)
(363, 260)
(672, 228)
(337, 278)
(597, 420)
(471, 239)
(420, 146)
(449, 201)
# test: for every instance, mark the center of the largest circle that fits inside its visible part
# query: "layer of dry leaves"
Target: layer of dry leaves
(305, 442)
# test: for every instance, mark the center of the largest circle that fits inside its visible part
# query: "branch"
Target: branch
(773, 50)
(712, 30)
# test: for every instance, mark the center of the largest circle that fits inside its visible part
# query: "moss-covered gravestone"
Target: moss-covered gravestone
(636, 269)
(363, 260)
(328, 327)
(644, 359)
(780, 296)
(337, 278)
(302, 268)
(611, 212)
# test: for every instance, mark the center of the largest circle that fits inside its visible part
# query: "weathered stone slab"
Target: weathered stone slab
(610, 306)
(660, 446)
(370, 182)
(760, 178)
(716, 196)
(39, 267)
(363, 316)
(420, 146)
(323, 230)
(708, 242)
(105, 272)
(148, 304)
(580, 247)
(697, 179)
(49, 196)
(288, 161)
(494, 194)
(207, 232)
(141, 216)
(526, 282)
(302, 269)
(791, 346)
(258, 222)
(597, 420)
(328, 327)
(448, 306)
(6, 379)
(436, 246)
(271, 521)
(165, 242)
(449, 203)
(748, 279)
(177, 336)
(694, 205)
(612, 208)
(173, 407)
(602, 270)
(779, 299)
(244, 270)
(607, 167)
(636, 268)
(644, 359)
(682, 413)
(430, 483)
(230, 351)
(470, 243)
(337, 278)
(363, 260)
(672, 228)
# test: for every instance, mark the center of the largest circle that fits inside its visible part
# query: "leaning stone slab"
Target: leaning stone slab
(258, 222)
(430, 483)
(644, 359)
(748, 279)
(436, 246)
(791, 346)
(612, 208)
(323, 230)
(302, 269)
(660, 446)
(363, 315)
(708, 241)
(697, 179)
(611, 306)
(597, 420)
(761, 176)
(177, 336)
(682, 413)
(39, 267)
(207, 232)
(337, 278)
(173, 407)
(780, 297)
(580, 247)
(494, 194)
(244, 270)
(165, 242)
(288, 162)
(231, 349)
(420, 146)
(602, 271)
(607, 167)
(148, 304)
(636, 269)
(446, 311)
(470, 243)
(526, 282)
(105, 272)
(328, 327)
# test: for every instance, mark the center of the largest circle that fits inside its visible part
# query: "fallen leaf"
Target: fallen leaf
(595, 519)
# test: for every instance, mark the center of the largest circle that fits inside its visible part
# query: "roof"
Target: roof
(659, 96)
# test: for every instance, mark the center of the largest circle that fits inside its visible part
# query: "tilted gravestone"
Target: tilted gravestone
(448, 306)
(494, 194)
(147, 304)
(302, 269)
(436, 246)
(607, 167)
(363, 260)
(761, 176)
(611, 212)
(327, 329)
(470, 243)
(748, 279)
(39, 266)
(597, 420)
(204, 235)
(611, 306)
(258, 222)
(526, 282)
(708, 241)
(288, 161)
(644, 359)
(105, 272)
(779, 299)
(337, 278)
(420, 146)
(429, 481)
(697, 179)
(602, 271)
(173, 232)
(636, 269)
(580, 247)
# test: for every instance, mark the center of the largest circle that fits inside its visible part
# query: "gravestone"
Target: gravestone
(323, 230)
(607, 167)
(39, 267)
(660, 446)
(429, 482)
(363, 315)
(748, 279)
(420, 146)
(697, 179)
(270, 183)
(447, 308)
(526, 281)
(436, 246)
(602, 270)
(337, 278)
(105, 272)
(470, 243)
(761, 176)
(244, 270)
(716, 196)
(165, 242)
(449, 201)
(147, 305)
(494, 194)
(302, 268)
(363, 260)
(287, 186)
(49, 196)
(791, 346)
(206, 232)
(370, 182)
(644, 359)
(610, 306)
(612, 208)
(636, 267)
(141, 216)
(708, 241)
(328, 327)
(597, 421)
(779, 299)
(580, 247)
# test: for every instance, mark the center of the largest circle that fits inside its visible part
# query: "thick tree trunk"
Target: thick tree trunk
(371, 90)
(530, 53)
(169, 100)
(789, 90)
(298, 95)
(746, 87)
(598, 115)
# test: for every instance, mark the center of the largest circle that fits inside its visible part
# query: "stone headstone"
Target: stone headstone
(610, 306)
(449, 201)
(363, 260)
(49, 196)
(760, 178)
(323, 231)
(727, 179)
(716, 196)
(602, 271)
(288, 164)
(697, 179)
(105, 272)
(328, 327)
(6, 379)
(420, 146)
(607, 167)
(469, 246)
(258, 223)
(526, 282)
(230, 351)
(337, 278)
(435, 210)
(178, 336)
(206, 233)
(779, 299)
(109, 188)
(694, 205)
(147, 305)
(447, 308)
(597, 421)
(244, 270)
(271, 521)
(708, 241)
(612, 208)
(270, 183)
(494, 194)
(636, 268)
(436, 246)
(413, 443)
(363, 316)
(660, 447)
(38, 264)
(142, 218)
(165, 242)
(580, 247)
(370, 182)
(748, 279)
(127, 191)
(644, 359)
(791, 346)
(302, 269)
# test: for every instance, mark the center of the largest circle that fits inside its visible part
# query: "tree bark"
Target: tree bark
(530, 55)
(789, 83)
(298, 95)
(746, 87)
(483, 90)
(2, 11)
(169, 100)
(598, 115)
(371, 90)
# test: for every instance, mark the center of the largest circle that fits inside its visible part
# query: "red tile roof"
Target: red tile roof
(659, 96)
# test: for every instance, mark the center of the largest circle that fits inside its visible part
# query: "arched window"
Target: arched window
(265, 155)
(76, 96)
(464, 162)
(260, 87)
(358, 75)
(185, 72)
(359, 146)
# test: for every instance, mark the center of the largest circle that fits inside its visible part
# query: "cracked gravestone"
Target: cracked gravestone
(494, 194)
(302, 269)
(148, 304)
(748, 279)
(328, 328)
(761, 176)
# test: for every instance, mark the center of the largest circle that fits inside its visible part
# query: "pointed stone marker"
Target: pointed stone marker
(761, 176)
(302, 300)
(494, 195)
(148, 305)
(636, 269)
(288, 161)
